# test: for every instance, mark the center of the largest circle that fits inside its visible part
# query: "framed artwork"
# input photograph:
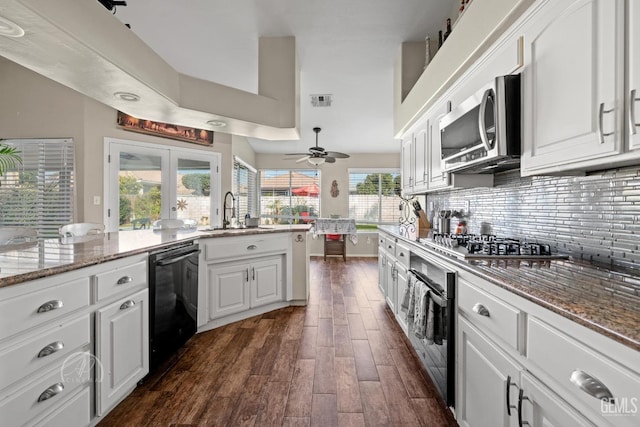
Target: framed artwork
(166, 130)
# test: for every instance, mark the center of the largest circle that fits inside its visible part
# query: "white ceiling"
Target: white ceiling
(345, 48)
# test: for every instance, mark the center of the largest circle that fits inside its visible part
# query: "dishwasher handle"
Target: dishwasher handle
(169, 261)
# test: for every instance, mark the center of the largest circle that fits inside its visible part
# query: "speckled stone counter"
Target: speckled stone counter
(602, 299)
(29, 261)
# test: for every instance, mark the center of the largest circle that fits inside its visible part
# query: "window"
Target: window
(289, 196)
(373, 195)
(245, 180)
(39, 193)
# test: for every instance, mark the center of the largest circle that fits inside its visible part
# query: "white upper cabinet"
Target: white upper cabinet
(420, 151)
(408, 167)
(437, 179)
(573, 80)
(633, 87)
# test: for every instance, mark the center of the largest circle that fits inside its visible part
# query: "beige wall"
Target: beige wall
(41, 108)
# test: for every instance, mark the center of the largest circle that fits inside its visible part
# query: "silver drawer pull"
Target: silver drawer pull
(127, 304)
(591, 385)
(401, 254)
(51, 391)
(50, 305)
(124, 279)
(251, 247)
(51, 348)
(481, 310)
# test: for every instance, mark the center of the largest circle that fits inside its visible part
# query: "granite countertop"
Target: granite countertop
(606, 300)
(29, 261)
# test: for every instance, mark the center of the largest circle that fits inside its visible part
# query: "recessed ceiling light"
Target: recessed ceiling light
(127, 96)
(9, 29)
(217, 123)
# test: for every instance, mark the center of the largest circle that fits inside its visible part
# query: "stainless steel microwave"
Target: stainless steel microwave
(482, 134)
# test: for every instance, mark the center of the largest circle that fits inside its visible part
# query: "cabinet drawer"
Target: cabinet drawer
(121, 279)
(488, 313)
(75, 412)
(561, 356)
(381, 240)
(403, 254)
(248, 246)
(20, 360)
(50, 391)
(390, 245)
(34, 308)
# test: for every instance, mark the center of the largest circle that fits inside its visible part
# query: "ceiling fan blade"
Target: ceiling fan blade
(296, 154)
(338, 155)
(329, 159)
(302, 159)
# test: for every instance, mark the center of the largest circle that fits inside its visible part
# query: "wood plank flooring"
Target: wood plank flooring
(340, 361)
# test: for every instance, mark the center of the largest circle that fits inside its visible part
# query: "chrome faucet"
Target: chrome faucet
(226, 222)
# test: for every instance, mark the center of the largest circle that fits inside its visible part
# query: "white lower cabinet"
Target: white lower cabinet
(240, 286)
(488, 381)
(401, 287)
(122, 348)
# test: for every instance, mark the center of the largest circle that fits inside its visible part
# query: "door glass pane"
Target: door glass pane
(140, 184)
(193, 192)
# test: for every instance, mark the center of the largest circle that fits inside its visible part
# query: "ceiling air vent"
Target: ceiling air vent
(321, 100)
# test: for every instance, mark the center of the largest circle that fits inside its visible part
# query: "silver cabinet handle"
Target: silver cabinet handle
(251, 247)
(481, 123)
(50, 305)
(50, 349)
(247, 275)
(601, 113)
(521, 398)
(253, 273)
(591, 385)
(481, 310)
(632, 112)
(124, 279)
(50, 392)
(127, 304)
(402, 254)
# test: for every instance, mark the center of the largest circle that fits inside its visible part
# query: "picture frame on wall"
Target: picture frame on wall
(165, 130)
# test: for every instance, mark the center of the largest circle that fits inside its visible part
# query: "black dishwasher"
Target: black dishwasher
(173, 291)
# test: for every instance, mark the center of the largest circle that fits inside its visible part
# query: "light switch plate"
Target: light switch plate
(96, 200)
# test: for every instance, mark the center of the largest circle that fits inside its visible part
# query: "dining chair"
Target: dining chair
(81, 229)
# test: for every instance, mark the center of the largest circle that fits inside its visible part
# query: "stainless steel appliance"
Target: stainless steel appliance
(173, 292)
(433, 336)
(486, 247)
(482, 134)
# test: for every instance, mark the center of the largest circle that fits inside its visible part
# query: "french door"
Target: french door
(146, 182)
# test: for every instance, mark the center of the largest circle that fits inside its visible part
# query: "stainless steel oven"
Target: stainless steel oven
(482, 133)
(431, 322)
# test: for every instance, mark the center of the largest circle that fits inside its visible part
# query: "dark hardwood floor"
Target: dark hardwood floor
(340, 361)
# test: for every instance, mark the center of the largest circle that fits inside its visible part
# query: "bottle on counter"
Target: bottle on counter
(462, 227)
(448, 31)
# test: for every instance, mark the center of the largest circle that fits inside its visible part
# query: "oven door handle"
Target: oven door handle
(434, 294)
(169, 261)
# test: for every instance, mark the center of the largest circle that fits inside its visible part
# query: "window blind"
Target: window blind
(39, 193)
(289, 196)
(373, 195)
(245, 179)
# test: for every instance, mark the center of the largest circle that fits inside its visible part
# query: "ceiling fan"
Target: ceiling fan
(317, 155)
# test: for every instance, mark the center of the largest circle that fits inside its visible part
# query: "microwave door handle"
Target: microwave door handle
(481, 124)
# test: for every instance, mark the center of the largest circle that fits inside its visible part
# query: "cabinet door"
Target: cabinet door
(437, 179)
(408, 165)
(266, 281)
(122, 347)
(486, 379)
(401, 288)
(390, 294)
(382, 270)
(633, 71)
(541, 407)
(572, 81)
(421, 157)
(228, 286)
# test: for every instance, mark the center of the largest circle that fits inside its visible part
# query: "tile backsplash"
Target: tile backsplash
(594, 217)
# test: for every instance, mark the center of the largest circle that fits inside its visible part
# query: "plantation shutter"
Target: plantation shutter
(39, 193)
(245, 180)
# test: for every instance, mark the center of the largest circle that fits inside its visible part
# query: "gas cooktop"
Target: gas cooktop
(484, 246)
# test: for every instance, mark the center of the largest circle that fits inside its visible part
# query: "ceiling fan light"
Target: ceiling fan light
(316, 161)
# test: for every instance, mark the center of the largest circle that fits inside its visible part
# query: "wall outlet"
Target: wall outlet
(368, 240)
(467, 206)
(96, 200)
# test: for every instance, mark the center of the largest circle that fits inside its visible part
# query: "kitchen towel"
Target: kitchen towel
(422, 305)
